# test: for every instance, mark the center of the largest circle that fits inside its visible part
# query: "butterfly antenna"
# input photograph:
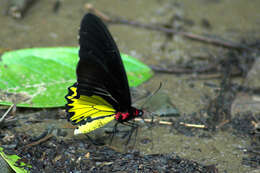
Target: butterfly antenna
(150, 97)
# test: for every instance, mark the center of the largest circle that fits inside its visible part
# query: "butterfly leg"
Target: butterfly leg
(134, 128)
(136, 132)
(113, 132)
(127, 132)
(150, 125)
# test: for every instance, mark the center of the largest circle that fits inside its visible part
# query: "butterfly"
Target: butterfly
(101, 93)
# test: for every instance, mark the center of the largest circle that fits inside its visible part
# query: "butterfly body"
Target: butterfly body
(126, 116)
(101, 93)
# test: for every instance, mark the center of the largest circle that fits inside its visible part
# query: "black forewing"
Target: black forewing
(100, 70)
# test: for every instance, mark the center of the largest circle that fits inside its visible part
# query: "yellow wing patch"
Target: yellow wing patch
(89, 112)
(90, 126)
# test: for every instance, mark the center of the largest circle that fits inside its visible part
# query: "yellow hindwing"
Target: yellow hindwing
(88, 112)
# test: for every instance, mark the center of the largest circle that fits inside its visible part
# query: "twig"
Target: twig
(222, 124)
(39, 141)
(154, 120)
(213, 76)
(204, 39)
(102, 15)
(17, 9)
(252, 150)
(6, 113)
(156, 27)
(255, 124)
(178, 70)
(193, 125)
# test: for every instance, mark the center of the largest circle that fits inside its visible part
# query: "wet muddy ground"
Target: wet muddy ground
(80, 156)
(54, 149)
(209, 99)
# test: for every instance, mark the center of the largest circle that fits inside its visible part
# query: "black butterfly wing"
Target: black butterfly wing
(100, 70)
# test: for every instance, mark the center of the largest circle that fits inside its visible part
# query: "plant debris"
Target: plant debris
(55, 155)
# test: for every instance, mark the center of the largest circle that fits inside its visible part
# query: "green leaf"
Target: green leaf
(39, 77)
(12, 162)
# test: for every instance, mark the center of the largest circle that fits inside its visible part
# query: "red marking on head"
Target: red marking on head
(125, 116)
(120, 116)
(136, 113)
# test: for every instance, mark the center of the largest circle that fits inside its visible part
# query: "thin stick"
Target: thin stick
(39, 141)
(193, 125)
(178, 70)
(191, 36)
(154, 120)
(222, 124)
(156, 27)
(17, 9)
(102, 15)
(6, 113)
(255, 124)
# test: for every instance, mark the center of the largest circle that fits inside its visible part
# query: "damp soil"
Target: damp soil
(57, 155)
(53, 148)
